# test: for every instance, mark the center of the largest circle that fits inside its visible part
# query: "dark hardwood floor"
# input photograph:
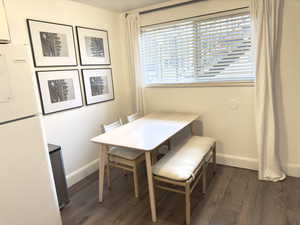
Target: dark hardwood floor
(235, 197)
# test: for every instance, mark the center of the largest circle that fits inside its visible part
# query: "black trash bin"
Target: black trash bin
(59, 175)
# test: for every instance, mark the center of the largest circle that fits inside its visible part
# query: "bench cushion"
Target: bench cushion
(179, 164)
(125, 153)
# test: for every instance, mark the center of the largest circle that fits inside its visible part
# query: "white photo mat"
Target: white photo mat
(102, 56)
(47, 53)
(100, 93)
(51, 104)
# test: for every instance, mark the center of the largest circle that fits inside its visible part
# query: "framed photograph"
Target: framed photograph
(93, 46)
(52, 44)
(98, 85)
(59, 90)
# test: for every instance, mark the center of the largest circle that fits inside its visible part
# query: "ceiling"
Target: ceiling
(120, 5)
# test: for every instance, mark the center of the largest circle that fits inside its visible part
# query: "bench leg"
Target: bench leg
(214, 160)
(188, 203)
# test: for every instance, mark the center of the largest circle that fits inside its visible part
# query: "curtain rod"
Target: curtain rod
(170, 6)
(191, 17)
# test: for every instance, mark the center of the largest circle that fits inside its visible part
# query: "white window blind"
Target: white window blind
(214, 49)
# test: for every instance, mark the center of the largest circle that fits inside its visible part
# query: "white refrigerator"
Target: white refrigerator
(27, 192)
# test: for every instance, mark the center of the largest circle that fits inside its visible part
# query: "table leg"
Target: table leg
(150, 186)
(102, 161)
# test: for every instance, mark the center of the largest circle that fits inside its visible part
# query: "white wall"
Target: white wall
(228, 112)
(73, 129)
(288, 104)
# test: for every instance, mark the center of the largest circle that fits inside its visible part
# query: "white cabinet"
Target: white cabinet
(4, 32)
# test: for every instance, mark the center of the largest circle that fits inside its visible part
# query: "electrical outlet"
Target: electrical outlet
(234, 104)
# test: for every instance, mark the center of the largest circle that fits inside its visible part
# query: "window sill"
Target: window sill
(206, 84)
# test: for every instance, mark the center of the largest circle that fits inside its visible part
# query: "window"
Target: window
(216, 48)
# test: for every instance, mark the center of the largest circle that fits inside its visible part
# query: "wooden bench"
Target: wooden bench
(182, 168)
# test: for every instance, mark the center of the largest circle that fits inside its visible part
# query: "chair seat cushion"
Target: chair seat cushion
(179, 164)
(125, 153)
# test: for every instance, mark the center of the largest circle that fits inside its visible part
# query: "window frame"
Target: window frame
(204, 82)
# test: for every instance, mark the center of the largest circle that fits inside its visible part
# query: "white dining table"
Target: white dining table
(145, 134)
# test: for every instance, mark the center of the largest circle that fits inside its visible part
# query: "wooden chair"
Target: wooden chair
(181, 169)
(126, 159)
(133, 117)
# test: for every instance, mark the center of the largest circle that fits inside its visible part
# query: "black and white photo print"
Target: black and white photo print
(59, 90)
(52, 44)
(93, 46)
(98, 85)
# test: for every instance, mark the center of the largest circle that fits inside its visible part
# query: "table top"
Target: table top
(148, 132)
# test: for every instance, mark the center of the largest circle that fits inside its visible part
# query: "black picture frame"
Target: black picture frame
(32, 44)
(85, 84)
(41, 93)
(81, 46)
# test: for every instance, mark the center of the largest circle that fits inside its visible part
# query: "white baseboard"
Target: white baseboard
(292, 170)
(237, 161)
(82, 172)
(223, 159)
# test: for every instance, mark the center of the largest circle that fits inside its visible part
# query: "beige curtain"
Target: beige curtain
(266, 17)
(132, 34)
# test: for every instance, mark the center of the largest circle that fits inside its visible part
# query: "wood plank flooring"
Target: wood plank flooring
(235, 197)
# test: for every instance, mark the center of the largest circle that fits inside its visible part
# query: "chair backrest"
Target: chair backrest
(111, 126)
(133, 117)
